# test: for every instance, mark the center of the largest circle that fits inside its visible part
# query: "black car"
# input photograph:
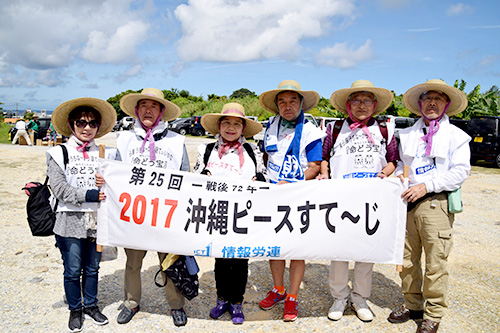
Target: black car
(43, 128)
(181, 125)
(485, 143)
(196, 128)
(460, 123)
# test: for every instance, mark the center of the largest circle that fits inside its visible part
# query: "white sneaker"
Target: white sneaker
(337, 310)
(363, 311)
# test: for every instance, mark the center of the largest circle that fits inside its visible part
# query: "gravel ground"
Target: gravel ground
(31, 289)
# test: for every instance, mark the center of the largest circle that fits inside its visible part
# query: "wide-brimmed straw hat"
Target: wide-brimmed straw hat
(383, 96)
(267, 99)
(209, 121)
(61, 113)
(458, 99)
(129, 102)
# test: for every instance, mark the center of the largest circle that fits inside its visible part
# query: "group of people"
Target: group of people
(22, 128)
(293, 150)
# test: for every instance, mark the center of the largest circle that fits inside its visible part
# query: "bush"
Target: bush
(4, 132)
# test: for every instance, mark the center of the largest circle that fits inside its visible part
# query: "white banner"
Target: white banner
(178, 212)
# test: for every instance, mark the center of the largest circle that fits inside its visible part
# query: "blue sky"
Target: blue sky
(55, 50)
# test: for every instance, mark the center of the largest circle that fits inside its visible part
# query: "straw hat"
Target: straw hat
(383, 96)
(129, 102)
(61, 113)
(209, 121)
(267, 99)
(457, 97)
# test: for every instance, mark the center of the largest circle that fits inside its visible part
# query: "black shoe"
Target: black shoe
(75, 323)
(96, 315)
(402, 315)
(179, 317)
(126, 314)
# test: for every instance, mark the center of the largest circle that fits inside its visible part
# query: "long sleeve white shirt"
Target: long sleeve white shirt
(448, 164)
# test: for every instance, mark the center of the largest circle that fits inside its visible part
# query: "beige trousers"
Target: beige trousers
(428, 227)
(133, 281)
(361, 283)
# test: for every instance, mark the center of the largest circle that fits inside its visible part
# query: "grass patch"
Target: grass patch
(4, 133)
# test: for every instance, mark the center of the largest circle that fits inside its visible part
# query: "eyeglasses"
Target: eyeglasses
(366, 102)
(83, 123)
(428, 99)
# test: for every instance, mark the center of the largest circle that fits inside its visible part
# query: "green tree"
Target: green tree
(241, 93)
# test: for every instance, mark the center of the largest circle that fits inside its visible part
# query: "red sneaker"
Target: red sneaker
(291, 311)
(273, 297)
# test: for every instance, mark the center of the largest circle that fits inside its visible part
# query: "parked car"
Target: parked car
(485, 143)
(324, 121)
(196, 128)
(124, 124)
(43, 128)
(460, 123)
(180, 125)
(259, 137)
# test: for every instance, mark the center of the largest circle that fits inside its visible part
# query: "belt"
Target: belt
(412, 205)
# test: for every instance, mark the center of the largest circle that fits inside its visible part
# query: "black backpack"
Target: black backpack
(41, 216)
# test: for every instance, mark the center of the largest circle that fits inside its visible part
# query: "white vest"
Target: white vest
(275, 163)
(80, 173)
(229, 164)
(169, 150)
(355, 155)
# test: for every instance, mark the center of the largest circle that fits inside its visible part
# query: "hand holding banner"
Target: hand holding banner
(191, 214)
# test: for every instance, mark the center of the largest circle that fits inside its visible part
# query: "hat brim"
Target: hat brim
(311, 99)
(61, 113)
(129, 102)
(209, 122)
(457, 97)
(384, 98)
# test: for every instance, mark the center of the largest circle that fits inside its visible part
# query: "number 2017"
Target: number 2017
(139, 207)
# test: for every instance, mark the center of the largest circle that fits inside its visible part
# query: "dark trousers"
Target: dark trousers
(231, 279)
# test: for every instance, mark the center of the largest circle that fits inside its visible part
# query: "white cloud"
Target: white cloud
(342, 55)
(246, 30)
(51, 33)
(458, 9)
(117, 46)
(130, 72)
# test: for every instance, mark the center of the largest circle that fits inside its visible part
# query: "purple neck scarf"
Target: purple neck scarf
(149, 134)
(357, 124)
(433, 127)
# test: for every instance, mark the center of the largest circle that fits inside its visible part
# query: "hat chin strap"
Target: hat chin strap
(358, 123)
(149, 134)
(433, 127)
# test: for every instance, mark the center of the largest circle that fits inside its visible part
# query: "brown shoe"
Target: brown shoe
(402, 315)
(428, 326)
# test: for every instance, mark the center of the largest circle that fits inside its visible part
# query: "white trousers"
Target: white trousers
(361, 284)
(22, 133)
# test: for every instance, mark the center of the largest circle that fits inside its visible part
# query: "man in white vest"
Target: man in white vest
(438, 155)
(357, 147)
(150, 143)
(292, 152)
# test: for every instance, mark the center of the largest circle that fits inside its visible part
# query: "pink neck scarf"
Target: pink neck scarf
(433, 127)
(149, 134)
(226, 146)
(357, 124)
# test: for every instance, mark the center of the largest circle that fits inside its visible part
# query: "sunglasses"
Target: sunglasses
(83, 123)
